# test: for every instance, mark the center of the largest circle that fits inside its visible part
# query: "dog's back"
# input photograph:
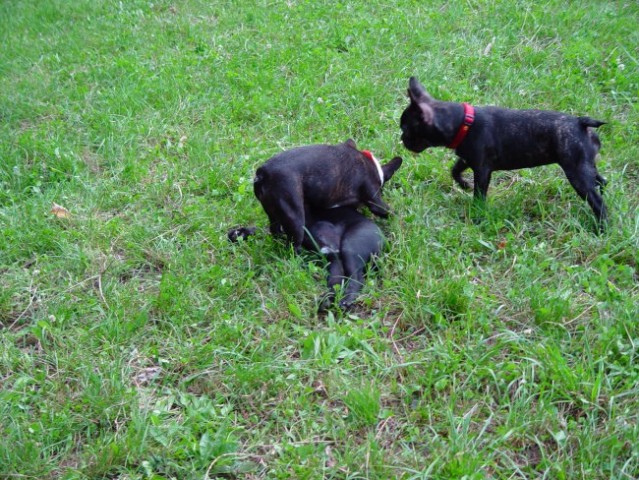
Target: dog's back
(319, 176)
(513, 139)
(325, 175)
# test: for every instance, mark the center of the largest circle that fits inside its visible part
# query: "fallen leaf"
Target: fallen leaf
(59, 211)
(319, 388)
(489, 47)
(146, 376)
(330, 459)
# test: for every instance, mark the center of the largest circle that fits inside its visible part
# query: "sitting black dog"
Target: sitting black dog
(347, 238)
(491, 138)
(319, 177)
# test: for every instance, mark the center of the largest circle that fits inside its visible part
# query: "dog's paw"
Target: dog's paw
(238, 233)
(326, 302)
(463, 184)
(346, 305)
(601, 183)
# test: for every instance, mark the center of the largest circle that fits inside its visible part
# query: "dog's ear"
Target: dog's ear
(428, 114)
(350, 143)
(417, 92)
(391, 167)
(421, 99)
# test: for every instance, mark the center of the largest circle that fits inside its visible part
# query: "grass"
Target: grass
(136, 343)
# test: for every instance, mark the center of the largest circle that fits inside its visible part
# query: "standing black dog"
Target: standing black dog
(320, 177)
(347, 238)
(491, 138)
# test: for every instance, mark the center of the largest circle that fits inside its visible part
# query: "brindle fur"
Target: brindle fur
(505, 139)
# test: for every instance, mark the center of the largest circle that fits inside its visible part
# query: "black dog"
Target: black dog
(347, 238)
(491, 138)
(319, 177)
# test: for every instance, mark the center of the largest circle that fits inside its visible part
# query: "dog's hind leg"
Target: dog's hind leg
(601, 182)
(292, 219)
(354, 266)
(335, 278)
(274, 224)
(359, 245)
(457, 170)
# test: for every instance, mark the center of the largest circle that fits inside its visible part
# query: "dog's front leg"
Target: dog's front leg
(378, 207)
(457, 170)
(585, 181)
(481, 181)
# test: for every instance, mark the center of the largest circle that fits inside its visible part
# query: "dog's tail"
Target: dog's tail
(590, 122)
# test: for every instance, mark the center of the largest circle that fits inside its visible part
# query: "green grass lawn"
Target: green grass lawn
(494, 342)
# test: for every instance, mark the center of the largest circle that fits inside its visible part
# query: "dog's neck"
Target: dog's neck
(467, 122)
(378, 166)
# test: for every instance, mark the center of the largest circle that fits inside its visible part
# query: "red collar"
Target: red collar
(368, 154)
(469, 119)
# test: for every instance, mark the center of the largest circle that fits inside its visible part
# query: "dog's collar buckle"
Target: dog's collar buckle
(469, 119)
